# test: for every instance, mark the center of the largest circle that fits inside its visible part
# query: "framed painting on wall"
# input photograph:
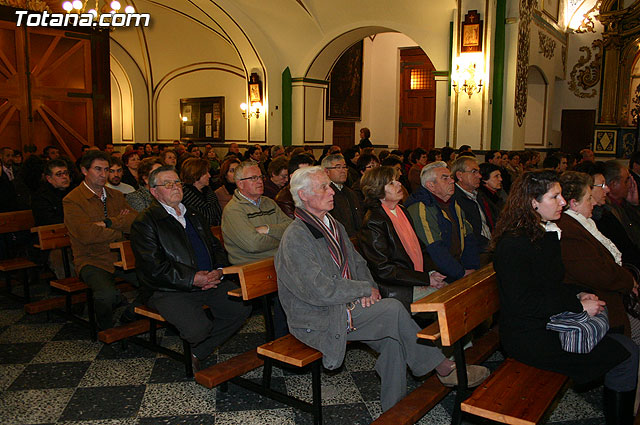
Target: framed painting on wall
(202, 119)
(551, 8)
(471, 37)
(345, 86)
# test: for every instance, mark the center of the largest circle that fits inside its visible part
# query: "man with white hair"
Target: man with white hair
(441, 225)
(330, 297)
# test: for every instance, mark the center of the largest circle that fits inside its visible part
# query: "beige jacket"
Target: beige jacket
(90, 242)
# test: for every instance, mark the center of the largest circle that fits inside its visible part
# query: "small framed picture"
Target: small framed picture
(605, 142)
(471, 37)
(255, 92)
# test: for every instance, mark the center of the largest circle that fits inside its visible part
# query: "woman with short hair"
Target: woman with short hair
(530, 272)
(278, 177)
(131, 161)
(196, 191)
(142, 198)
(590, 258)
(398, 261)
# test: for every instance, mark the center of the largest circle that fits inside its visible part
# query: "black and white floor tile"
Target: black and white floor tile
(51, 372)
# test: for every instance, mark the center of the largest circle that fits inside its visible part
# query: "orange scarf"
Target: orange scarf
(407, 236)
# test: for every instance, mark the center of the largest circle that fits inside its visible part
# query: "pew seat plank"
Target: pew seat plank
(235, 366)
(288, 349)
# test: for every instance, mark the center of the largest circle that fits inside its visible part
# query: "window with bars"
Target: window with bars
(421, 79)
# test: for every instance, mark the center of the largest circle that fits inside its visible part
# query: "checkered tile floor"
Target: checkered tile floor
(51, 372)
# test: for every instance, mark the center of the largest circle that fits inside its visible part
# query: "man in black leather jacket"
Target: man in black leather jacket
(178, 262)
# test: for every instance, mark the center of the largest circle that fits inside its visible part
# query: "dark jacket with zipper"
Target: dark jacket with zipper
(165, 259)
(390, 265)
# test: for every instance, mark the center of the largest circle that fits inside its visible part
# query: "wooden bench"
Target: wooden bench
(55, 236)
(11, 222)
(150, 324)
(513, 394)
(259, 280)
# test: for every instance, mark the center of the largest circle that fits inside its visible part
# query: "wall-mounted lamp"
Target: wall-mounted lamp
(251, 112)
(468, 77)
(255, 98)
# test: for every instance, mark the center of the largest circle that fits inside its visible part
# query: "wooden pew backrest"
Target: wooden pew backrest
(256, 279)
(127, 259)
(217, 232)
(52, 236)
(16, 221)
(463, 305)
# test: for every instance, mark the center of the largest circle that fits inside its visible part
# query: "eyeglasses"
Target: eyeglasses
(170, 184)
(474, 171)
(62, 173)
(337, 167)
(601, 185)
(253, 178)
(370, 166)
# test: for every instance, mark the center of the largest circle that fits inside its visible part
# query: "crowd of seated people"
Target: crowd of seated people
(420, 219)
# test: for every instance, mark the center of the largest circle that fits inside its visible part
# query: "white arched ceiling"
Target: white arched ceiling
(187, 37)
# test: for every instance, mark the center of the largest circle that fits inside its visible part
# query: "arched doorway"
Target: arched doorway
(393, 63)
(536, 123)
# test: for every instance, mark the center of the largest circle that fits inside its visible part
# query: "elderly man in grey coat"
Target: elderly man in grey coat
(330, 296)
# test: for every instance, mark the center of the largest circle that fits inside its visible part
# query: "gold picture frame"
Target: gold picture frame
(471, 35)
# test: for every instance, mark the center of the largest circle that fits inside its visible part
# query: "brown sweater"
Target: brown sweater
(589, 264)
(90, 242)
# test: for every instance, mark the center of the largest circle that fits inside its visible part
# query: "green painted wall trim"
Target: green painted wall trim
(286, 108)
(451, 55)
(498, 75)
(309, 80)
(440, 73)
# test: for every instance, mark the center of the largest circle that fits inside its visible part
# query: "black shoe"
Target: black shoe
(128, 315)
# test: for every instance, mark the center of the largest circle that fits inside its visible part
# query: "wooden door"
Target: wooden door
(52, 89)
(344, 134)
(417, 100)
(577, 127)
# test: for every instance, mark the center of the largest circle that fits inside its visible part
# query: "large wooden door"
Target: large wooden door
(578, 126)
(417, 100)
(344, 134)
(50, 86)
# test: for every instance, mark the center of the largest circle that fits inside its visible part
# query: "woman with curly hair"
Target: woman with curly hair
(528, 264)
(196, 191)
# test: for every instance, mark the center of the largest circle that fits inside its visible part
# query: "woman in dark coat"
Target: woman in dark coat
(589, 257)
(196, 191)
(530, 272)
(397, 260)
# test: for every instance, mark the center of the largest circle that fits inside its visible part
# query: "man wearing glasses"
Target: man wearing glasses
(46, 205)
(178, 262)
(441, 225)
(466, 173)
(252, 226)
(96, 216)
(346, 204)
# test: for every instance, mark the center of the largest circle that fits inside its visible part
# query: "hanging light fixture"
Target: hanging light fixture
(93, 7)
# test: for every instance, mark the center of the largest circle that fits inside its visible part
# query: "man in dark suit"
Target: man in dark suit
(466, 173)
(346, 205)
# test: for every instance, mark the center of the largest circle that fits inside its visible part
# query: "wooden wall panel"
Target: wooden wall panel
(61, 101)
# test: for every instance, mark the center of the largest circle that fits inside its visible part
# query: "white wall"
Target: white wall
(204, 83)
(535, 124)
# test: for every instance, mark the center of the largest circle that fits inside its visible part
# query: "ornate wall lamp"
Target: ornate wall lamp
(468, 78)
(255, 98)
